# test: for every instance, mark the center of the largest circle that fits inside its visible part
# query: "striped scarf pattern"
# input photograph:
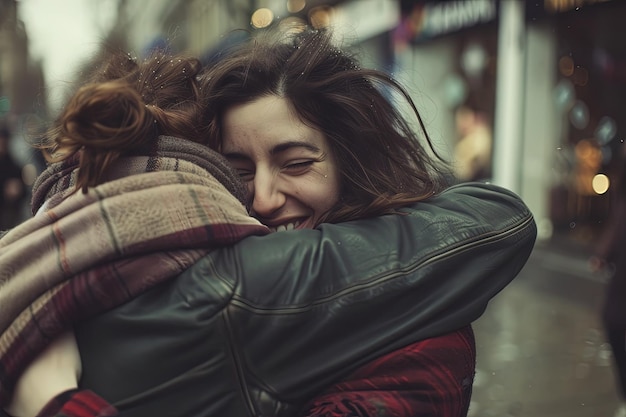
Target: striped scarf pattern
(83, 254)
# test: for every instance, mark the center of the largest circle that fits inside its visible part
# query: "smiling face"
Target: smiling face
(288, 166)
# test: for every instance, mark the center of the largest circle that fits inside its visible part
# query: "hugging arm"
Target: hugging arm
(345, 294)
(307, 307)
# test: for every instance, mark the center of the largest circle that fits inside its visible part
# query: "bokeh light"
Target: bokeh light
(262, 18)
(566, 66)
(564, 94)
(320, 17)
(606, 130)
(474, 59)
(600, 183)
(295, 6)
(579, 115)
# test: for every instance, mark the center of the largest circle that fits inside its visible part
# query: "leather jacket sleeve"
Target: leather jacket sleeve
(309, 306)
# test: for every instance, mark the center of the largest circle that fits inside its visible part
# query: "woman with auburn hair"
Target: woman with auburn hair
(178, 310)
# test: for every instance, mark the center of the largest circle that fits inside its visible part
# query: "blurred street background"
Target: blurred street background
(529, 95)
(541, 350)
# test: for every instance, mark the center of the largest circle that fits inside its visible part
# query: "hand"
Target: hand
(56, 370)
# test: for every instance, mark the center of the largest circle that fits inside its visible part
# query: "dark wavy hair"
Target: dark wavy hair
(383, 163)
(122, 107)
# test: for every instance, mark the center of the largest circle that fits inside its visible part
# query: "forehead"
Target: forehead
(259, 113)
(265, 123)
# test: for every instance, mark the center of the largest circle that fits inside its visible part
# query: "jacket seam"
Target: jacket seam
(461, 246)
(238, 365)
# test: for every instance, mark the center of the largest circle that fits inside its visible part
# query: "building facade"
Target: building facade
(526, 94)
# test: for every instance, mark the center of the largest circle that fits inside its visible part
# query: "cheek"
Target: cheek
(317, 192)
(328, 191)
(334, 183)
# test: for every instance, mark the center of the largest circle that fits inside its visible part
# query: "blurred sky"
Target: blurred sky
(62, 34)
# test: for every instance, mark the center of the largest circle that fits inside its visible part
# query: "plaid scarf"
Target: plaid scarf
(83, 254)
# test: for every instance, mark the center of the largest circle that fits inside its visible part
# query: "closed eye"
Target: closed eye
(242, 164)
(245, 174)
(299, 167)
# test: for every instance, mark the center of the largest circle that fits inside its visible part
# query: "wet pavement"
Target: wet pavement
(541, 347)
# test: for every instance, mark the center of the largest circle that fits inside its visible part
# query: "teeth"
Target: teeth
(284, 227)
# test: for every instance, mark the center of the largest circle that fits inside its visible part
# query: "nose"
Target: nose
(267, 198)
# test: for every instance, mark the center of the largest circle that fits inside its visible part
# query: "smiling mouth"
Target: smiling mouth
(285, 227)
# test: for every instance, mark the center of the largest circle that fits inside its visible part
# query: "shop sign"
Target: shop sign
(430, 19)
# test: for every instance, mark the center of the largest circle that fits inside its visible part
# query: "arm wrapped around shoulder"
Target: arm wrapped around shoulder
(331, 299)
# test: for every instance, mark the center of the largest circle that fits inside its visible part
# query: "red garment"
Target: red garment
(430, 378)
(75, 403)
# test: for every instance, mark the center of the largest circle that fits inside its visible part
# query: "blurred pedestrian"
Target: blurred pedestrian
(472, 152)
(610, 256)
(12, 187)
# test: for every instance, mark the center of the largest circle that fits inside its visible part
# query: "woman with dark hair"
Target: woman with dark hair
(186, 317)
(316, 139)
(383, 163)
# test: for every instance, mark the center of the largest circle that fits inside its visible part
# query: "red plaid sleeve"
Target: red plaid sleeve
(430, 378)
(78, 403)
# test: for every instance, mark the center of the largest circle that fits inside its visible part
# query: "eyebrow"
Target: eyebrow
(281, 147)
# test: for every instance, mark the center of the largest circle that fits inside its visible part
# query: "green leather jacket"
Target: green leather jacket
(259, 328)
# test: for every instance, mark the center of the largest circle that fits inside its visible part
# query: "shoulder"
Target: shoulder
(479, 207)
